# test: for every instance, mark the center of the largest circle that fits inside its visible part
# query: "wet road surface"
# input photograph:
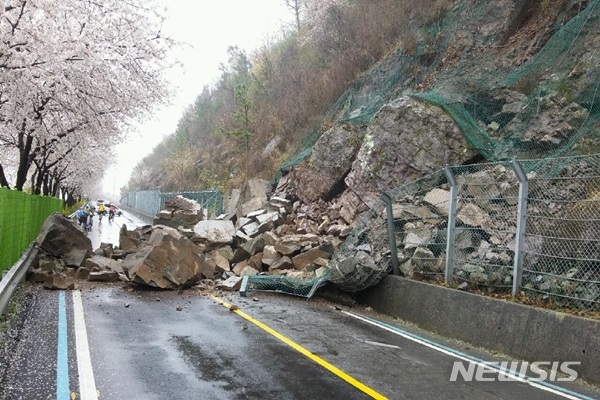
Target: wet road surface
(142, 344)
(108, 231)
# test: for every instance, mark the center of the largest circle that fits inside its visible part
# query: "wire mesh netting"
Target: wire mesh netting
(549, 106)
(21, 217)
(421, 225)
(484, 233)
(300, 152)
(147, 201)
(561, 231)
(541, 109)
(364, 258)
(562, 238)
(211, 200)
(284, 284)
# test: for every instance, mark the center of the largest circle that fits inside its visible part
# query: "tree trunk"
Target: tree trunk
(70, 200)
(25, 143)
(39, 182)
(56, 188)
(3, 181)
(47, 184)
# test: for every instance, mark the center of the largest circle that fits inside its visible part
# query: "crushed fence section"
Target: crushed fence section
(150, 202)
(529, 226)
(364, 258)
(282, 284)
(21, 217)
(211, 200)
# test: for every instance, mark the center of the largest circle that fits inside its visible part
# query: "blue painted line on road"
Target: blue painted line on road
(460, 354)
(62, 360)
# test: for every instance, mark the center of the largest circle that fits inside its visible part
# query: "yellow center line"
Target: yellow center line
(331, 368)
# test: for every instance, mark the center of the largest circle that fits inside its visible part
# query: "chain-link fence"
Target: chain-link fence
(530, 226)
(561, 258)
(150, 202)
(21, 217)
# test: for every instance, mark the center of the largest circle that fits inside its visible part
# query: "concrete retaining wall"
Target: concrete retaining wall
(526, 333)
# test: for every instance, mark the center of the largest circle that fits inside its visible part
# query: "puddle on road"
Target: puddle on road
(225, 370)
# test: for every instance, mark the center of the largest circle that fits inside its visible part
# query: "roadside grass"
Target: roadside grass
(70, 210)
(13, 310)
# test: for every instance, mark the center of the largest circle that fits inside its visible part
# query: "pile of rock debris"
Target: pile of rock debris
(258, 235)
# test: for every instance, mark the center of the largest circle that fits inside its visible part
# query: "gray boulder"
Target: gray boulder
(61, 238)
(169, 260)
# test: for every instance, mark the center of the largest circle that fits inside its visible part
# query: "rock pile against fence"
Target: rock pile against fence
(180, 212)
(262, 235)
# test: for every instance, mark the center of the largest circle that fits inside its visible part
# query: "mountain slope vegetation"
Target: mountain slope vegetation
(345, 60)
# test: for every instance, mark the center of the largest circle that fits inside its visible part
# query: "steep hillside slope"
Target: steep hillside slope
(488, 80)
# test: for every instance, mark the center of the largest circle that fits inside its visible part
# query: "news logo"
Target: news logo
(503, 371)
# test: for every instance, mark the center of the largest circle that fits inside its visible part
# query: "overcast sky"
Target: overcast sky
(209, 27)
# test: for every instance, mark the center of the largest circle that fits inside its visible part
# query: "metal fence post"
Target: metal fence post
(451, 224)
(391, 232)
(521, 223)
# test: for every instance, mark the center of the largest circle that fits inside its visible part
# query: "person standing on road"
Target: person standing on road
(111, 212)
(101, 211)
(81, 216)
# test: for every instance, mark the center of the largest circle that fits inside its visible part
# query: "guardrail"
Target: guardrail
(15, 276)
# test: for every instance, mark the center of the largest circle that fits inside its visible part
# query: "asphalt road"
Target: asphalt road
(121, 342)
(105, 231)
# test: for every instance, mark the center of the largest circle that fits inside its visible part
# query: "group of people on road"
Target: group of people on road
(85, 214)
(84, 217)
(111, 212)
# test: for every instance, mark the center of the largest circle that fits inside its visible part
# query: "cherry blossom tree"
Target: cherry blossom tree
(74, 75)
(295, 7)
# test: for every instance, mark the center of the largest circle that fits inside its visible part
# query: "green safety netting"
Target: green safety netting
(548, 106)
(301, 151)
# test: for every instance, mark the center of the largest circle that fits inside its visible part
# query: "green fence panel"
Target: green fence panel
(21, 217)
(3, 243)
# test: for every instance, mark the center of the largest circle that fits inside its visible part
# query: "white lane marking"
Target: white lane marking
(87, 384)
(391, 346)
(455, 353)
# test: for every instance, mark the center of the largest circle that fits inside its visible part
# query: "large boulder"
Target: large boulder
(214, 233)
(253, 196)
(129, 241)
(168, 260)
(180, 211)
(331, 159)
(406, 140)
(61, 238)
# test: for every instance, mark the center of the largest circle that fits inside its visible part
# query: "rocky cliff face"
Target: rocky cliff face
(488, 80)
